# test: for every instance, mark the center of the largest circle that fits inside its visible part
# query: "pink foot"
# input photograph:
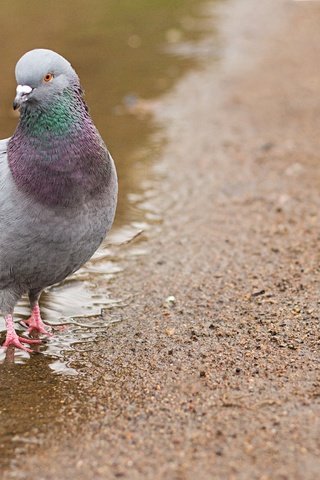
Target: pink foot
(13, 340)
(35, 322)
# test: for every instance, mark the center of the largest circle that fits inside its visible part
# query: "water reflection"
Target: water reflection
(124, 54)
(30, 399)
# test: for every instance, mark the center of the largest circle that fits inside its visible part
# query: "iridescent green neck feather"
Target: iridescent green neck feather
(60, 116)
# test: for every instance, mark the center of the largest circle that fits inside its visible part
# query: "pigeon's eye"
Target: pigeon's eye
(48, 77)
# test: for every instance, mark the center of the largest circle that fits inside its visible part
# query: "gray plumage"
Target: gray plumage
(58, 184)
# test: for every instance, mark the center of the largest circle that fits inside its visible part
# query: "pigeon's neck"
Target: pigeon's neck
(56, 153)
(64, 115)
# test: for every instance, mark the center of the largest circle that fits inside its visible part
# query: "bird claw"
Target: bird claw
(15, 341)
(31, 341)
(35, 324)
(39, 329)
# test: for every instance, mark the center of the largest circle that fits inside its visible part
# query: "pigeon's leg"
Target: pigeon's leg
(12, 338)
(35, 323)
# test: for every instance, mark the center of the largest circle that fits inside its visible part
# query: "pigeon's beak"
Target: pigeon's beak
(22, 94)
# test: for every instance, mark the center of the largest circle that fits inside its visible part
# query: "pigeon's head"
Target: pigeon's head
(42, 75)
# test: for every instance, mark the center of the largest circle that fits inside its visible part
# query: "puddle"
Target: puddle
(127, 54)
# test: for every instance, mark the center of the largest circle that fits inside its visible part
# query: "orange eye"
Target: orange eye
(48, 77)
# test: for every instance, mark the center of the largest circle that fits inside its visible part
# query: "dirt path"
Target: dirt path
(224, 382)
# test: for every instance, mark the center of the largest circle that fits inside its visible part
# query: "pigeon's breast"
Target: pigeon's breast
(60, 172)
(41, 245)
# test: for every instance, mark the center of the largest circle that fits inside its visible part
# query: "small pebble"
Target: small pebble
(171, 300)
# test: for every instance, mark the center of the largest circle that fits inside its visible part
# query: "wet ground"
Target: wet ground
(127, 55)
(211, 367)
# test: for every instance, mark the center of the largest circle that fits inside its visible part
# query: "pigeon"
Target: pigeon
(58, 188)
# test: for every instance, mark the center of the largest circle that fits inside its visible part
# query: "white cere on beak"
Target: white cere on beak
(22, 95)
(23, 89)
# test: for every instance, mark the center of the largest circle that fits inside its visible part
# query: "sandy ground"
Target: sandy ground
(224, 382)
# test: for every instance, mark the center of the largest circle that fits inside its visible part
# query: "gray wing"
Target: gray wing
(3, 147)
(9, 216)
(26, 227)
(8, 291)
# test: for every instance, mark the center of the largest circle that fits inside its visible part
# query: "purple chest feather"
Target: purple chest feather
(58, 157)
